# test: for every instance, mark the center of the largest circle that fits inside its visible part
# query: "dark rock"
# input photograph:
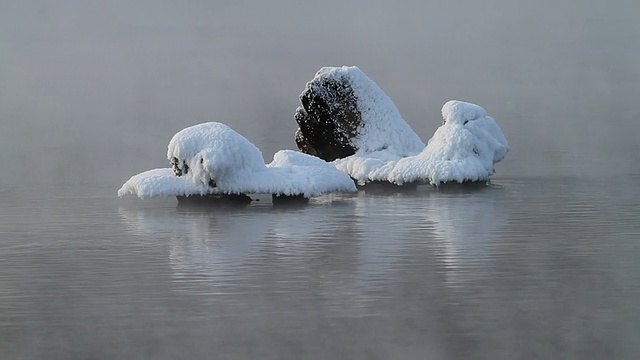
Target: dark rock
(179, 169)
(286, 200)
(464, 187)
(387, 188)
(328, 118)
(214, 200)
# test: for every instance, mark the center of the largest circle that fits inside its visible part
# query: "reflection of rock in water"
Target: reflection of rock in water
(466, 222)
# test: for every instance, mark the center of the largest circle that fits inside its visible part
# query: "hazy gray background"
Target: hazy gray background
(98, 88)
(542, 264)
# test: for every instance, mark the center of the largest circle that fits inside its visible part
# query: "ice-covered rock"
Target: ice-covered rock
(465, 148)
(211, 158)
(344, 113)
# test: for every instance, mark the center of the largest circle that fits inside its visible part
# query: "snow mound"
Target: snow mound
(212, 158)
(461, 112)
(465, 148)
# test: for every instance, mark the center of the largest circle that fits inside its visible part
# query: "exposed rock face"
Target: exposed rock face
(214, 200)
(343, 112)
(179, 169)
(328, 118)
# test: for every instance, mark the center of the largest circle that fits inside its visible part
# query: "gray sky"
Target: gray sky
(108, 83)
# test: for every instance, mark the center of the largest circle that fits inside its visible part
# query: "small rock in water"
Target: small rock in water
(215, 200)
(284, 200)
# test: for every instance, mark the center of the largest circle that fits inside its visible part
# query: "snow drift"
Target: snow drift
(212, 158)
(465, 148)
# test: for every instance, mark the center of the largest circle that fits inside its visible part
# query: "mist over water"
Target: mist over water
(107, 85)
(541, 264)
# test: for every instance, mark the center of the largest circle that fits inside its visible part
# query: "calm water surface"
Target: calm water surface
(543, 264)
(522, 268)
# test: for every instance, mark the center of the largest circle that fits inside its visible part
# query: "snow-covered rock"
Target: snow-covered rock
(465, 148)
(212, 158)
(344, 112)
(347, 119)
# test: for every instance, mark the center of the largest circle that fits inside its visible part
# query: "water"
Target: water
(541, 264)
(522, 268)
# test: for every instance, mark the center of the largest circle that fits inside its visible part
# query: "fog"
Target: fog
(543, 264)
(91, 92)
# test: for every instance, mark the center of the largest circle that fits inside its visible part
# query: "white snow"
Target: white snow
(221, 161)
(465, 148)
(161, 182)
(382, 125)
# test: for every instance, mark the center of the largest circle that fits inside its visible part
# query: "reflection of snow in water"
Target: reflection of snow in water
(310, 251)
(456, 225)
(206, 244)
(339, 252)
(384, 222)
(466, 224)
(200, 242)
